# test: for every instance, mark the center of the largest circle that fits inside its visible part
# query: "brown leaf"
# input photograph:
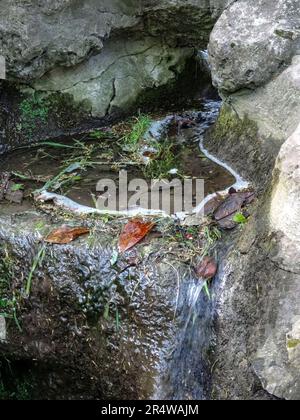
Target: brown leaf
(133, 233)
(207, 269)
(65, 235)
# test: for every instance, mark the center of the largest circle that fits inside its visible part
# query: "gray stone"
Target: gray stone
(285, 205)
(37, 36)
(252, 42)
(105, 55)
(275, 107)
(118, 75)
(116, 323)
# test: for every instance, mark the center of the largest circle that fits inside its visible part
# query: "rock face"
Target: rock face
(102, 53)
(92, 327)
(85, 63)
(115, 78)
(256, 45)
(285, 206)
(40, 35)
(278, 358)
(254, 55)
(274, 107)
(251, 42)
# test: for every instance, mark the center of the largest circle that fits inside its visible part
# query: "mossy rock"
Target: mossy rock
(230, 124)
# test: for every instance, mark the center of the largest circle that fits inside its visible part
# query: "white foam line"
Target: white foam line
(240, 183)
(76, 208)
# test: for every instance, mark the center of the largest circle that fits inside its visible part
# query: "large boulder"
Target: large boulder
(275, 107)
(254, 55)
(285, 205)
(115, 78)
(252, 42)
(38, 36)
(70, 63)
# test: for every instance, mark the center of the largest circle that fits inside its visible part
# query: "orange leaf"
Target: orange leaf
(133, 233)
(65, 235)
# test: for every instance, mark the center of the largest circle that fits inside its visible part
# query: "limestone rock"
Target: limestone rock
(285, 206)
(252, 42)
(275, 107)
(40, 35)
(117, 76)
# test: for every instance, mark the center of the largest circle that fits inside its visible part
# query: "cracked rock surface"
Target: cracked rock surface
(104, 54)
(117, 76)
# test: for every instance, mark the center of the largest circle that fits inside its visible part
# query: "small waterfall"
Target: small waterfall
(193, 295)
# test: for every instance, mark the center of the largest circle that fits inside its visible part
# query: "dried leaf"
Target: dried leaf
(207, 269)
(133, 233)
(65, 235)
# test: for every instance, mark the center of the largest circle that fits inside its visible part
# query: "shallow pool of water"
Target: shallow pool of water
(103, 159)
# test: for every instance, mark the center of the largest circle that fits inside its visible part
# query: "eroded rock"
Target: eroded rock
(249, 43)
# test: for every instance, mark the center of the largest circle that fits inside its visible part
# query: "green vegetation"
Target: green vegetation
(33, 110)
(15, 385)
(293, 343)
(240, 219)
(100, 135)
(229, 123)
(211, 236)
(36, 262)
(22, 391)
(138, 128)
(165, 160)
(9, 301)
(17, 187)
(71, 167)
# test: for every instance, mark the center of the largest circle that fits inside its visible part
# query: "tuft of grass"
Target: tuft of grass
(100, 135)
(161, 165)
(138, 128)
(36, 262)
(17, 187)
(9, 301)
(79, 161)
(211, 236)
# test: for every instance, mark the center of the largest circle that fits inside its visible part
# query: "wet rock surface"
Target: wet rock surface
(107, 325)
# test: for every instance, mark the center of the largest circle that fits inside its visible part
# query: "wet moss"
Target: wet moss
(229, 124)
(34, 110)
(65, 111)
(293, 343)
